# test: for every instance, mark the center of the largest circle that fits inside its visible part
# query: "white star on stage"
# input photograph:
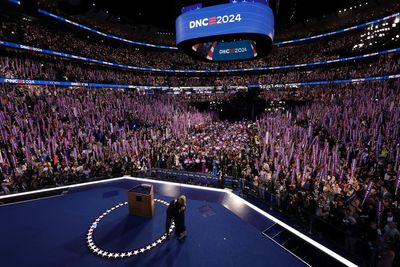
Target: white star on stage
(92, 246)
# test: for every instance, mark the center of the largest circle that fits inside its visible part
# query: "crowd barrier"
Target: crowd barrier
(344, 238)
(206, 179)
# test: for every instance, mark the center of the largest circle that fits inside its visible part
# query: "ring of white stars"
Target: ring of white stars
(119, 255)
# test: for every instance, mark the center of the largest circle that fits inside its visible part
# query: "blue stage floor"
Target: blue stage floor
(52, 231)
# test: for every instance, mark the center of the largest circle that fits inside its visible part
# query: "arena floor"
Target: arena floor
(53, 231)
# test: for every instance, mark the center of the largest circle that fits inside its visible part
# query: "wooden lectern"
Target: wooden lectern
(141, 200)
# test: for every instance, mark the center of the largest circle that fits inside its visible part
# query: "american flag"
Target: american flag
(212, 20)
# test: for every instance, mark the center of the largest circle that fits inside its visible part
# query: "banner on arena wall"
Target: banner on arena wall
(204, 88)
(44, 12)
(102, 62)
(363, 25)
(359, 80)
(360, 26)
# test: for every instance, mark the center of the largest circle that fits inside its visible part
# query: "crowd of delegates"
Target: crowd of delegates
(23, 65)
(337, 156)
(114, 26)
(344, 19)
(85, 131)
(34, 33)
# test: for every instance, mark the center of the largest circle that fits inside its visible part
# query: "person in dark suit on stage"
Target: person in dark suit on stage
(176, 212)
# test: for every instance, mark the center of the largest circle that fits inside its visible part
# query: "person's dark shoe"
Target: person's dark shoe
(182, 235)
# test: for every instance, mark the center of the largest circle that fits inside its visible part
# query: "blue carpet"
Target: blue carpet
(51, 232)
(206, 211)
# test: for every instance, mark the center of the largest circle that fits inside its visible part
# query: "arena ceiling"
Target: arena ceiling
(162, 13)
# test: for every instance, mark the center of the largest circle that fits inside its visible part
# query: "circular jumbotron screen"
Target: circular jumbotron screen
(237, 30)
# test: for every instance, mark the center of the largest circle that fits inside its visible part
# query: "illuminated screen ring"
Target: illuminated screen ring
(240, 31)
(126, 254)
(262, 44)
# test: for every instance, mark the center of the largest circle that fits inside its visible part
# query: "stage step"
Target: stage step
(273, 230)
(298, 247)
